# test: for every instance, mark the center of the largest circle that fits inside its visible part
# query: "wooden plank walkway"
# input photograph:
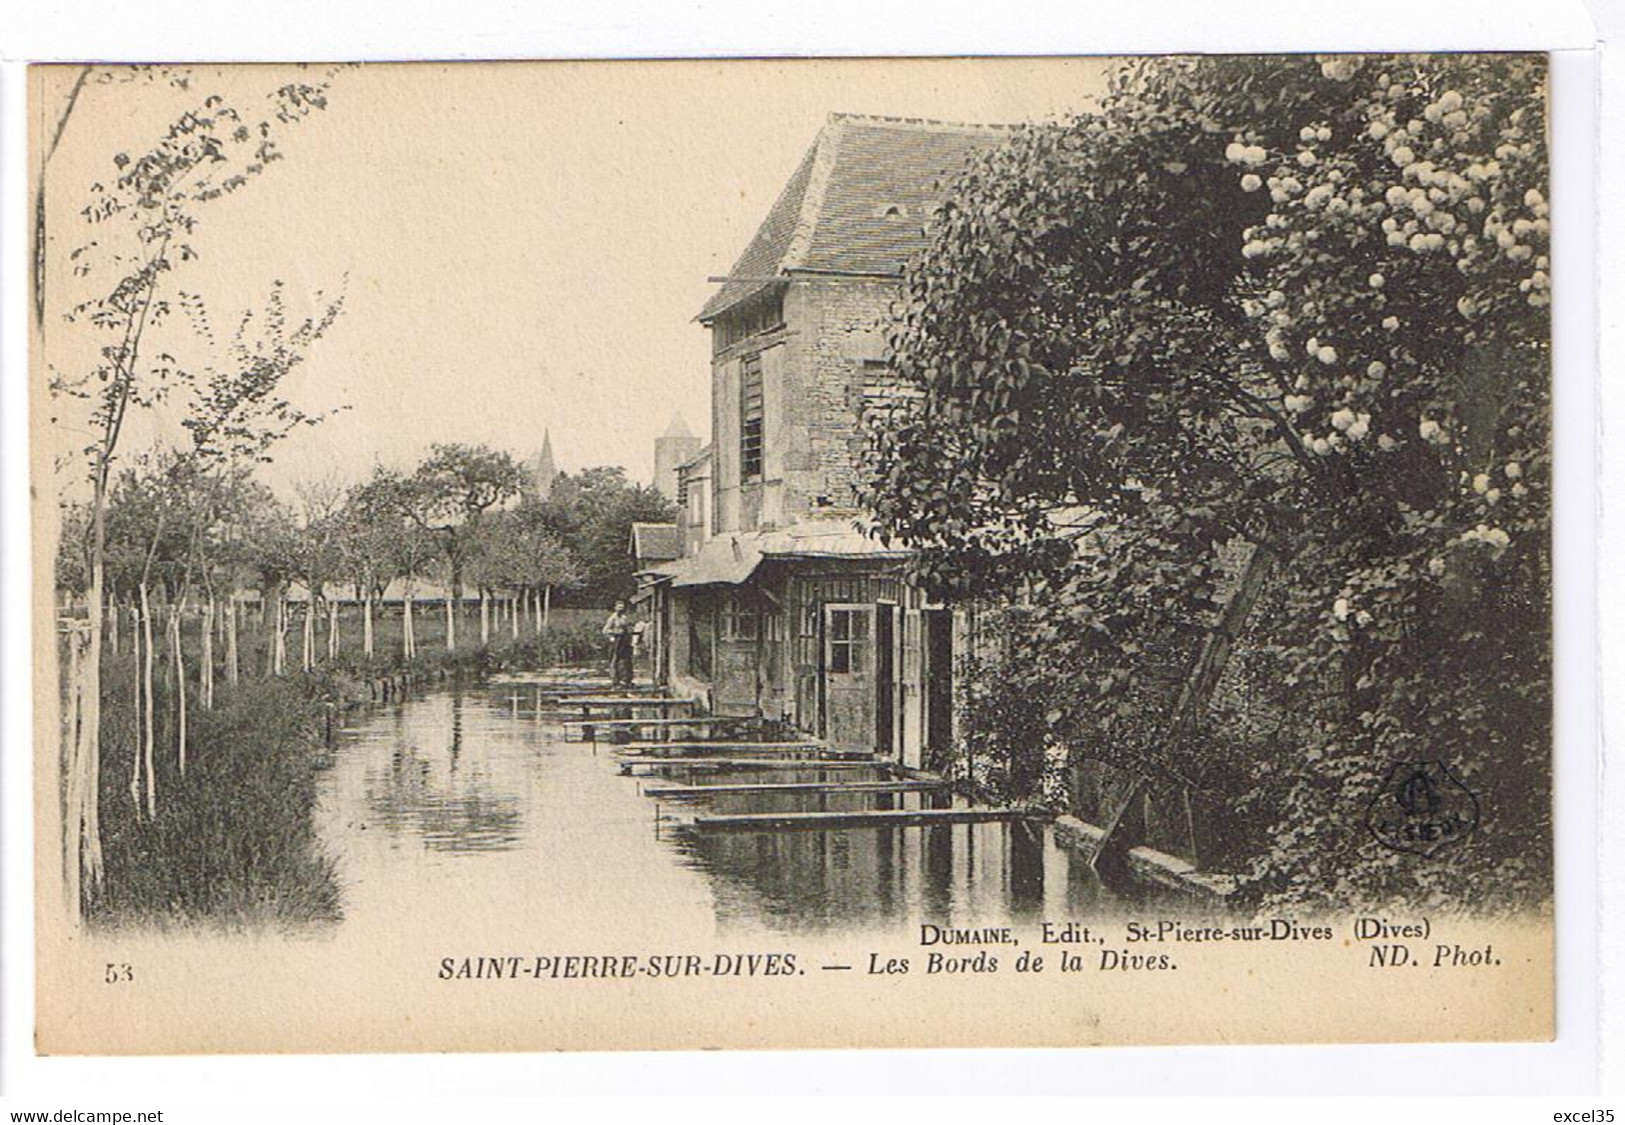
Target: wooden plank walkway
(587, 702)
(731, 746)
(815, 788)
(691, 721)
(602, 695)
(878, 818)
(658, 761)
(589, 729)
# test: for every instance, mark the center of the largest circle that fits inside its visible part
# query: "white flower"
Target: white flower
(1296, 403)
(1430, 431)
(1321, 446)
(1390, 322)
(1450, 101)
(1235, 152)
(1376, 281)
(1376, 369)
(1251, 182)
(1307, 133)
(1481, 482)
(1340, 68)
(1533, 198)
(1403, 156)
(1519, 491)
(1386, 443)
(1324, 133)
(1340, 609)
(1494, 537)
(1359, 427)
(1436, 566)
(1254, 154)
(1342, 419)
(1362, 619)
(1377, 130)
(1326, 354)
(1306, 158)
(1513, 470)
(1493, 495)
(1465, 306)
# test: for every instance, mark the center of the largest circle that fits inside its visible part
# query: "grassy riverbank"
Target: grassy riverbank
(230, 842)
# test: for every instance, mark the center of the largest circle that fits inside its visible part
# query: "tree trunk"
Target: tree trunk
(1112, 849)
(206, 668)
(112, 623)
(485, 618)
(140, 711)
(513, 616)
(307, 635)
(74, 771)
(451, 626)
(179, 659)
(366, 624)
(148, 735)
(547, 607)
(279, 640)
(232, 669)
(409, 644)
(333, 630)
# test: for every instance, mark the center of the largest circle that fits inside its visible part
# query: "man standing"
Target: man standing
(621, 631)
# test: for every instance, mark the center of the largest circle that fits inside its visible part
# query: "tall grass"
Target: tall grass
(233, 845)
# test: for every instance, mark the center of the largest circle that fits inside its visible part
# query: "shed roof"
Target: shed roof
(731, 559)
(656, 542)
(857, 204)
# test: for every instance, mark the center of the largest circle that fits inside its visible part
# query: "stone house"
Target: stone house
(781, 605)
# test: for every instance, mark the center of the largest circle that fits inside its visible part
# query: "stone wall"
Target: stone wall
(843, 344)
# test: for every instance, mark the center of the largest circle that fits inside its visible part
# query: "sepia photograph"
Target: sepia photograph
(792, 553)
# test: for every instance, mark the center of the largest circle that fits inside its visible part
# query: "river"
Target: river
(467, 802)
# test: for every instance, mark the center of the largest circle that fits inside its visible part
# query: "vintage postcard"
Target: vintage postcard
(827, 553)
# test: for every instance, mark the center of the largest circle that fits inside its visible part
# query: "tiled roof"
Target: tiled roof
(656, 542)
(858, 202)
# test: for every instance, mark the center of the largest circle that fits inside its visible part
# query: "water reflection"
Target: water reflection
(471, 803)
(985, 874)
(437, 799)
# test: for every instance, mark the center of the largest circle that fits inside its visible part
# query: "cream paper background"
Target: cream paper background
(360, 991)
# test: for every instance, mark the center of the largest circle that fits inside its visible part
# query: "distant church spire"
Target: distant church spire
(540, 468)
(677, 445)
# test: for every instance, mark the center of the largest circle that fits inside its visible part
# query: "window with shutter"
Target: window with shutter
(750, 417)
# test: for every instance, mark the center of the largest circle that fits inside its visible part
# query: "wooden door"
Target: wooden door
(885, 633)
(849, 676)
(939, 684)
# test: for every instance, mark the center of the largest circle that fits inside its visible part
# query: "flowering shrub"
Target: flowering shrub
(1291, 302)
